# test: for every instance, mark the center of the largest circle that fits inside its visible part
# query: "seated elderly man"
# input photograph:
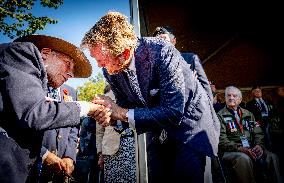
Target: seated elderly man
(241, 143)
(59, 145)
(27, 66)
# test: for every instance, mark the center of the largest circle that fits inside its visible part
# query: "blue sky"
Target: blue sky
(75, 18)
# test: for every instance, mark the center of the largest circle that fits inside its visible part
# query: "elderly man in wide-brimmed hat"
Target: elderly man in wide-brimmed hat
(27, 65)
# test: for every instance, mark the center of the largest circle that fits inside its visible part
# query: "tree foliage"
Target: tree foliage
(90, 88)
(16, 18)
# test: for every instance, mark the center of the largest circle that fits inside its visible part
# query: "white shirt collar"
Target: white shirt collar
(132, 64)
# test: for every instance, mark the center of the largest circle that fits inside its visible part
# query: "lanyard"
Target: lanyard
(239, 122)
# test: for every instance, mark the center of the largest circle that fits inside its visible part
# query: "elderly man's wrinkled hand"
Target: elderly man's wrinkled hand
(258, 151)
(69, 165)
(101, 161)
(248, 152)
(54, 163)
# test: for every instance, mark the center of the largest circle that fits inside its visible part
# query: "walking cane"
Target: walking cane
(221, 169)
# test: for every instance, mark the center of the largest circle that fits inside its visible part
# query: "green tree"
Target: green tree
(90, 88)
(16, 18)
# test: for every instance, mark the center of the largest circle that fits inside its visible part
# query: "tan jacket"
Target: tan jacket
(107, 140)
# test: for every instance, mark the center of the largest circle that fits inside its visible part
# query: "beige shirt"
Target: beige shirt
(107, 140)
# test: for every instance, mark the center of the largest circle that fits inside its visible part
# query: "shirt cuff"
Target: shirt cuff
(84, 108)
(130, 116)
(44, 155)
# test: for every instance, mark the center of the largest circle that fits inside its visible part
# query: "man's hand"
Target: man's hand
(248, 151)
(101, 114)
(258, 151)
(117, 113)
(69, 165)
(54, 163)
(101, 161)
(95, 108)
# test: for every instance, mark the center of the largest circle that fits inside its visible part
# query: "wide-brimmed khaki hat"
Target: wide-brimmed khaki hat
(83, 67)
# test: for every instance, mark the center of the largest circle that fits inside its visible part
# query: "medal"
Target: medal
(248, 126)
(235, 128)
(67, 98)
(231, 127)
(65, 91)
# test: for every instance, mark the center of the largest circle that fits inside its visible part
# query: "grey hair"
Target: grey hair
(235, 90)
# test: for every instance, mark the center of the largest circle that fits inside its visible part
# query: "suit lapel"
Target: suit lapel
(135, 86)
(122, 84)
(143, 71)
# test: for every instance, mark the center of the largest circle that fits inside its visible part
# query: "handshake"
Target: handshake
(105, 111)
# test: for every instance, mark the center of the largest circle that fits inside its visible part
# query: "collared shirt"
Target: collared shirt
(132, 65)
(54, 93)
(130, 113)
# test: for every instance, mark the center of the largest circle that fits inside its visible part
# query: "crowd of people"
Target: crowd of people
(47, 135)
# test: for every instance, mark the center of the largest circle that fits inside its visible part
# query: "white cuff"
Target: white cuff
(44, 156)
(84, 108)
(130, 116)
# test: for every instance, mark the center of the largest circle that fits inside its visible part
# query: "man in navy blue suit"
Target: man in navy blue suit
(166, 32)
(156, 92)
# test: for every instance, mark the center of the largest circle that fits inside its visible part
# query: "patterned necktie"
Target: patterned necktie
(134, 84)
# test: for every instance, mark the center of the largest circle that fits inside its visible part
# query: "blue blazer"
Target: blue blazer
(183, 105)
(24, 112)
(62, 141)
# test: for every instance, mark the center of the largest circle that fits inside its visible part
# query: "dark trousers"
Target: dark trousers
(86, 170)
(15, 162)
(173, 161)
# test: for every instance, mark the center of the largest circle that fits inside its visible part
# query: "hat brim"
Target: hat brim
(82, 69)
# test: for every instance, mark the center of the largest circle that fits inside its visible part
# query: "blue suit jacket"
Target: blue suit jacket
(183, 106)
(62, 141)
(254, 107)
(24, 112)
